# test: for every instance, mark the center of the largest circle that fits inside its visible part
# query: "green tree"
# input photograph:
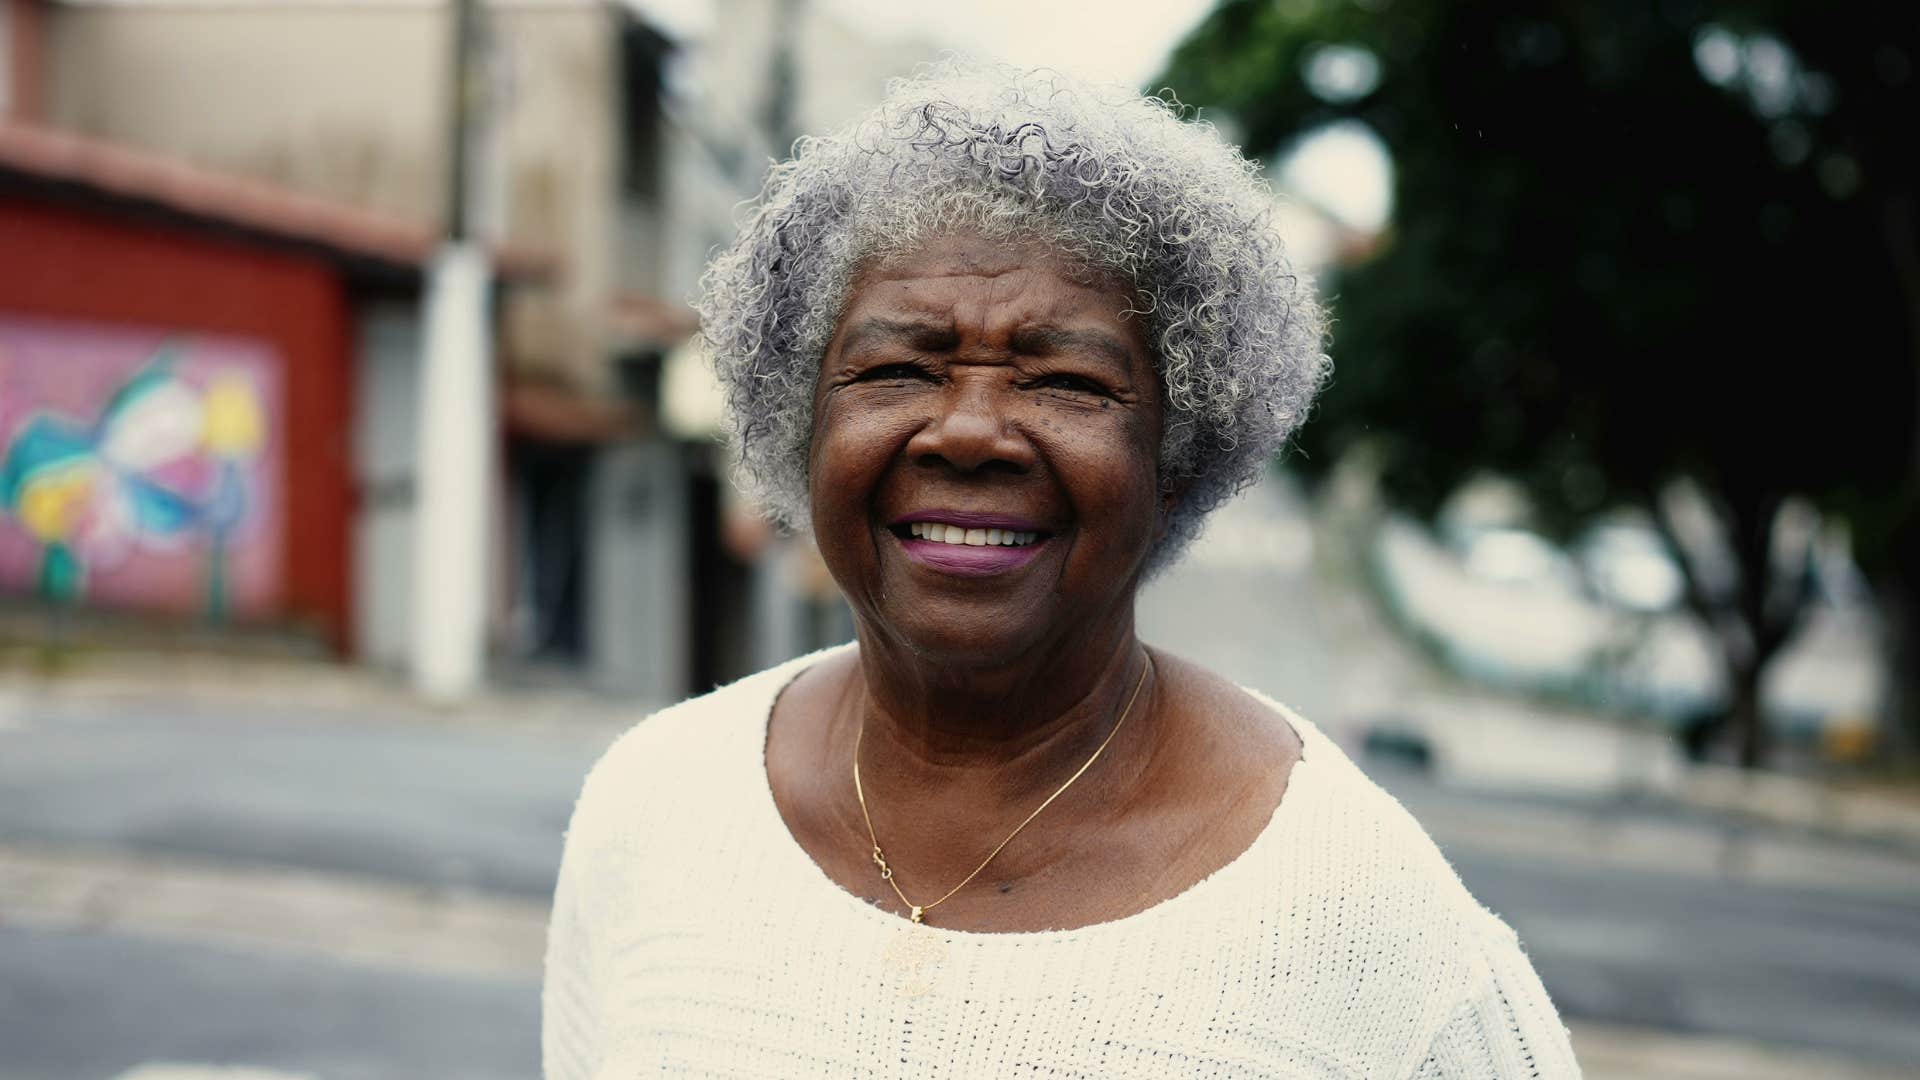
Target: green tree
(1633, 243)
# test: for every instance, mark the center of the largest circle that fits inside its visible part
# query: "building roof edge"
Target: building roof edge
(251, 206)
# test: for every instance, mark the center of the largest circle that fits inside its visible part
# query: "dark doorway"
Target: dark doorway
(553, 481)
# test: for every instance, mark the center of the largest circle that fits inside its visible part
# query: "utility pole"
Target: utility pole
(457, 410)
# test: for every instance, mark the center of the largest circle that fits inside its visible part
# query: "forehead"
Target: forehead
(968, 278)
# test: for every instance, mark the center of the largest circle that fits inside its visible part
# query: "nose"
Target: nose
(971, 431)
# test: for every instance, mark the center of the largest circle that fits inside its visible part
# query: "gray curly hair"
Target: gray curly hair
(1115, 182)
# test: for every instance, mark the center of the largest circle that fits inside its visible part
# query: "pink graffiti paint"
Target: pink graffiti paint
(153, 461)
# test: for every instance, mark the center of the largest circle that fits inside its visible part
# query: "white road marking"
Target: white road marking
(13, 712)
(177, 1071)
(383, 924)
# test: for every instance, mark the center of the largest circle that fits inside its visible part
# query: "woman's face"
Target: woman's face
(984, 474)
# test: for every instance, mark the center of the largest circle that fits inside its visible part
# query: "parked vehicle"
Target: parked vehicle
(1603, 621)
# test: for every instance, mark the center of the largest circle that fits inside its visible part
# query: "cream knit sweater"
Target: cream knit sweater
(692, 936)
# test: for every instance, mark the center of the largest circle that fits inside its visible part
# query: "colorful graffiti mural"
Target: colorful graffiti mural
(139, 469)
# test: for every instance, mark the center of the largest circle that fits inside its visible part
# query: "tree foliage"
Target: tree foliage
(1632, 243)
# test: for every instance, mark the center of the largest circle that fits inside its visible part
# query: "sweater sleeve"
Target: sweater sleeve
(1508, 1030)
(569, 1019)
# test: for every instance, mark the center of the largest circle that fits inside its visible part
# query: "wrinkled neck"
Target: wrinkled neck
(1005, 730)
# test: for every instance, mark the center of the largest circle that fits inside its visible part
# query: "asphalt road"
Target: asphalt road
(432, 804)
(1690, 945)
(81, 1005)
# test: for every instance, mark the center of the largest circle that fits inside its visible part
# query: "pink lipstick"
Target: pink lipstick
(968, 543)
(966, 560)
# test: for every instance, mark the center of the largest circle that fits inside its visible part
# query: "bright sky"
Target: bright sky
(1342, 171)
(1124, 41)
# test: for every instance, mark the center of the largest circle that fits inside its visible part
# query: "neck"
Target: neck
(997, 733)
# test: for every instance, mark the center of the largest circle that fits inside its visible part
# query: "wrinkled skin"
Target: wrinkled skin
(975, 377)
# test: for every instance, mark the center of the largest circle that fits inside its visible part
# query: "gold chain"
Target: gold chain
(919, 911)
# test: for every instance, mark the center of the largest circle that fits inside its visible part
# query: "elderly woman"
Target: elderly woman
(1002, 345)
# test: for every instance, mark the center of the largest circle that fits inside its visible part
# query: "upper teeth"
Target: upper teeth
(954, 534)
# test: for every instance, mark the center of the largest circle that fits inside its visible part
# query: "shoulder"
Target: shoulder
(1333, 832)
(705, 749)
(1256, 728)
(1375, 890)
(672, 791)
(1505, 1026)
(1341, 832)
(1359, 849)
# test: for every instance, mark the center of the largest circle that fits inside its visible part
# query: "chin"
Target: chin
(955, 643)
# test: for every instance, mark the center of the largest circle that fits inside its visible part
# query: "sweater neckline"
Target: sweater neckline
(802, 873)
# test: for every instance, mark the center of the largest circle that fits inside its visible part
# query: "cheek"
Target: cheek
(852, 447)
(1112, 476)
(1118, 489)
(1116, 449)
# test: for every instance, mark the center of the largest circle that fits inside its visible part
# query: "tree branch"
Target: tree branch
(1698, 599)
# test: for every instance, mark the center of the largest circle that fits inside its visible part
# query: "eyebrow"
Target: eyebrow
(918, 334)
(1033, 340)
(1055, 339)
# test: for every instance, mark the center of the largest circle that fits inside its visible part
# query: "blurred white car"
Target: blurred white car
(1604, 624)
(1629, 567)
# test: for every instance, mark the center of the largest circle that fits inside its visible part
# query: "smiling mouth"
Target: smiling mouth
(958, 535)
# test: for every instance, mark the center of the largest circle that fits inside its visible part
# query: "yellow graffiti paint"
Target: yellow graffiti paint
(232, 422)
(52, 503)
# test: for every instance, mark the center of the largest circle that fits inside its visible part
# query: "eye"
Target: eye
(1074, 384)
(895, 373)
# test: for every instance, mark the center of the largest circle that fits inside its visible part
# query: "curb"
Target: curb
(1796, 802)
(364, 921)
(1611, 1052)
(274, 687)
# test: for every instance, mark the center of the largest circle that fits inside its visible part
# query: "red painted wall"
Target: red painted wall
(63, 262)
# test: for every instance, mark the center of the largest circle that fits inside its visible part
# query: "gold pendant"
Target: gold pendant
(919, 913)
(913, 956)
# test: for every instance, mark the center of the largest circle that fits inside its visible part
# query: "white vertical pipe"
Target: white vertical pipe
(453, 527)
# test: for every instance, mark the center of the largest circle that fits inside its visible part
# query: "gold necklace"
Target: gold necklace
(919, 911)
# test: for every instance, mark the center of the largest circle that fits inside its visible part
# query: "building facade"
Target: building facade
(180, 359)
(617, 148)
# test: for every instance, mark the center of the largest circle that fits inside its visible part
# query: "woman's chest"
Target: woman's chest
(837, 997)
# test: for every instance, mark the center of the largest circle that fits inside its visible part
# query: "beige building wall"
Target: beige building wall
(719, 148)
(350, 101)
(6, 58)
(344, 102)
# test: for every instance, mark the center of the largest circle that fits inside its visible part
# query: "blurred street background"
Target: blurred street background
(360, 479)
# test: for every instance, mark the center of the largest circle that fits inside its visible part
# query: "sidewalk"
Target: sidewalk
(276, 687)
(1607, 1052)
(1482, 741)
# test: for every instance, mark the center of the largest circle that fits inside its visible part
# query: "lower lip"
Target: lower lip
(967, 560)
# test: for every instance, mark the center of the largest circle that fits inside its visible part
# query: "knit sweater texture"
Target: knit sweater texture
(692, 936)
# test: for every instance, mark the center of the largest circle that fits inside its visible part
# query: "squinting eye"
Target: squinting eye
(1078, 384)
(886, 372)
